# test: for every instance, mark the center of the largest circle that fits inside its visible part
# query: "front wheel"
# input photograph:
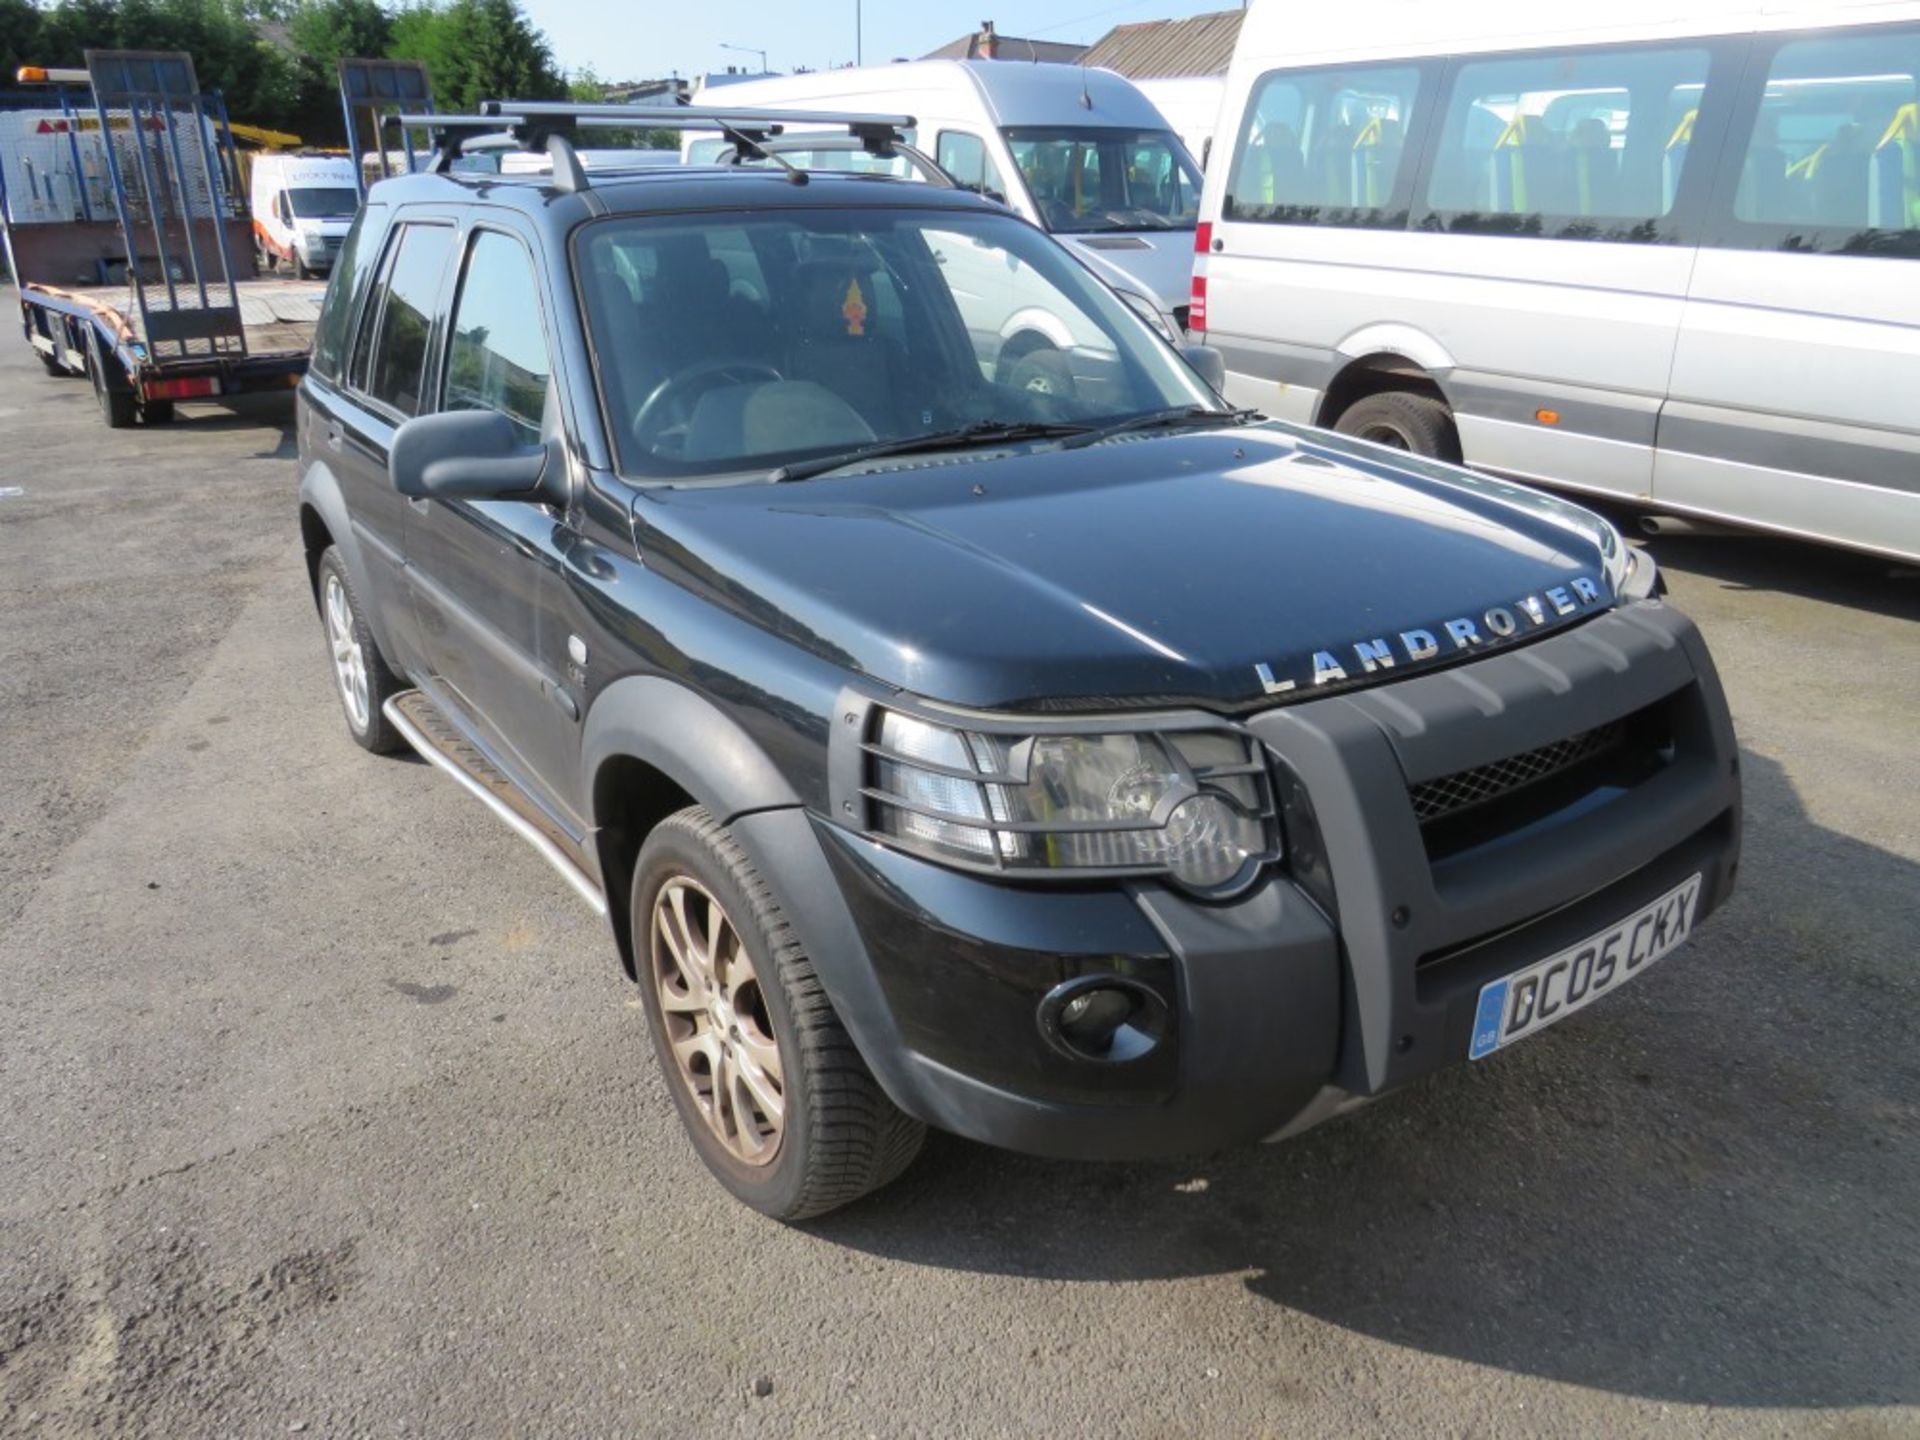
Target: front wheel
(774, 1096)
(1403, 420)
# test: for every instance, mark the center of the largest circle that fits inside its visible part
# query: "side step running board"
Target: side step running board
(440, 743)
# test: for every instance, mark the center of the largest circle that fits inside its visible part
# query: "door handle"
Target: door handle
(335, 440)
(559, 695)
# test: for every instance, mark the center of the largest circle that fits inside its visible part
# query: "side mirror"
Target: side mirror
(471, 455)
(1209, 364)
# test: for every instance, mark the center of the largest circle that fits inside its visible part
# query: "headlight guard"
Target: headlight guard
(1181, 796)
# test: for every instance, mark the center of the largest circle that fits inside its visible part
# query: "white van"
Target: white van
(302, 206)
(1079, 152)
(1191, 107)
(1668, 251)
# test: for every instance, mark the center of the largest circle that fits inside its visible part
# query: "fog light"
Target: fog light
(1103, 1018)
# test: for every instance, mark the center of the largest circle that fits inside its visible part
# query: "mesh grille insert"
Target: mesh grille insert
(1450, 794)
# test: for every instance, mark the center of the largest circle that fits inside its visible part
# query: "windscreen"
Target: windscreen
(1090, 178)
(323, 203)
(732, 344)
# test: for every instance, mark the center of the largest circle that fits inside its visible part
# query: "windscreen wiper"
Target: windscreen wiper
(980, 432)
(1163, 420)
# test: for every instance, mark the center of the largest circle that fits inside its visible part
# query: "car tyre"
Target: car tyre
(362, 679)
(707, 929)
(1403, 420)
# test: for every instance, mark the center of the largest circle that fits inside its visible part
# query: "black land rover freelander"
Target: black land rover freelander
(962, 717)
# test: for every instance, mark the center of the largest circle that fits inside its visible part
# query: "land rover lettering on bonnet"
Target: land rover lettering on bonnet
(1010, 738)
(1418, 646)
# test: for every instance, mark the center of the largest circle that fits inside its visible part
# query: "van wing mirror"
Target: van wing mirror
(1209, 364)
(472, 455)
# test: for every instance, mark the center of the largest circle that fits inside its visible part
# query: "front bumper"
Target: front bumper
(1352, 970)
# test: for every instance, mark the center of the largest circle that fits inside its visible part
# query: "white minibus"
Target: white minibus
(1080, 152)
(1668, 252)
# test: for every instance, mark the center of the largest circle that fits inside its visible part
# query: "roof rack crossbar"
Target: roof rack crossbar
(535, 125)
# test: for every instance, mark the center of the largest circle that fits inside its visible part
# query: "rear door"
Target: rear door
(374, 388)
(482, 571)
(1793, 394)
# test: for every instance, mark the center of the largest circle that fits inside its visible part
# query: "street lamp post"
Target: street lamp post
(748, 50)
(859, 36)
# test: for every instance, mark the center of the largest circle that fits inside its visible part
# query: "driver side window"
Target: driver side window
(965, 158)
(497, 357)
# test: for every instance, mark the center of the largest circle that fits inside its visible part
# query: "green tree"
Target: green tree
(477, 50)
(321, 34)
(20, 38)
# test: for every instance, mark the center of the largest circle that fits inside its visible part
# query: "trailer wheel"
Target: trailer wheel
(157, 412)
(118, 405)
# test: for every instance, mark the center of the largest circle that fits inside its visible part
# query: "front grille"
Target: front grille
(1437, 799)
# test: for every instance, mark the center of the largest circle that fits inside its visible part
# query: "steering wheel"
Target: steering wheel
(669, 404)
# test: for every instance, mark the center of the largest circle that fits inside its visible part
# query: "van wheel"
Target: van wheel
(1403, 420)
(776, 1099)
(361, 677)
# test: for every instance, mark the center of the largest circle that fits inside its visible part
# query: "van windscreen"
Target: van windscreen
(323, 203)
(1088, 178)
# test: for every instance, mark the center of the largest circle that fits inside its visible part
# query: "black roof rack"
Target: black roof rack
(540, 125)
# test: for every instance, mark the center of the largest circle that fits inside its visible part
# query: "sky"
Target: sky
(653, 38)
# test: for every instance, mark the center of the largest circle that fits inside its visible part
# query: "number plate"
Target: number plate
(1552, 989)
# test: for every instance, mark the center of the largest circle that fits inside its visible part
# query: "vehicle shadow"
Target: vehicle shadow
(1754, 561)
(1700, 1191)
(250, 412)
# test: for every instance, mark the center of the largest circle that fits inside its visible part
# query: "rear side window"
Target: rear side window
(1832, 162)
(395, 339)
(1574, 145)
(497, 359)
(349, 283)
(1326, 147)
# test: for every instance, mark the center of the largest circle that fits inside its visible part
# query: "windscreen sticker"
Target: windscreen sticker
(855, 309)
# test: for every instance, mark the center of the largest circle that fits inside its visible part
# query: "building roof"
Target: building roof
(1159, 49)
(987, 44)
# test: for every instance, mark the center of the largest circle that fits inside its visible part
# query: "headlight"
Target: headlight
(1629, 572)
(1191, 802)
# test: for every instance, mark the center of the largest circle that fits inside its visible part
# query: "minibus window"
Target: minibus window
(1834, 155)
(1324, 147)
(1580, 145)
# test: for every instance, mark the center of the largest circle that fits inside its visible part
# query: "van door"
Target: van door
(1794, 382)
(1554, 246)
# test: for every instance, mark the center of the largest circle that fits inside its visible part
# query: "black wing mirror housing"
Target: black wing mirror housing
(473, 455)
(1209, 364)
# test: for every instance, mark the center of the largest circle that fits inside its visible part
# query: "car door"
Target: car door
(378, 388)
(1792, 403)
(481, 571)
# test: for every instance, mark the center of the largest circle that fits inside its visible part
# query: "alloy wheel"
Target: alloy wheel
(349, 656)
(716, 1020)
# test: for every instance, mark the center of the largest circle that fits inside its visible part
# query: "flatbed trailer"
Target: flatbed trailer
(127, 233)
(97, 331)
